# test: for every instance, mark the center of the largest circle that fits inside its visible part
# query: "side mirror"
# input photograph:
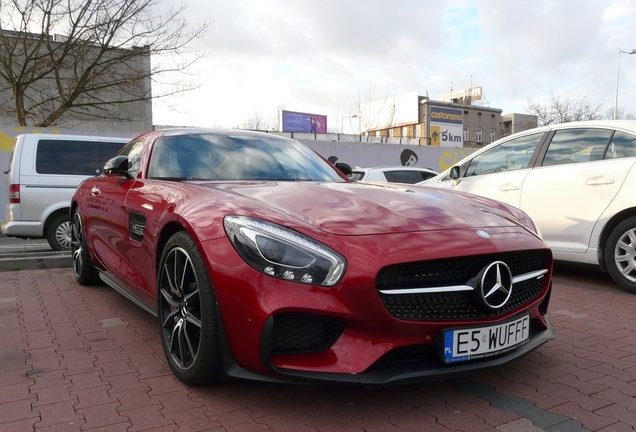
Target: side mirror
(454, 175)
(117, 165)
(345, 168)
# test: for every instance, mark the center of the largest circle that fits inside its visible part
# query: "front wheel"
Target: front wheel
(187, 313)
(83, 269)
(620, 254)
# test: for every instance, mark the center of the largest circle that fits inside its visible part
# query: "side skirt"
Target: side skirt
(121, 289)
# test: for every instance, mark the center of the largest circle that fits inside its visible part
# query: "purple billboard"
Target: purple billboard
(303, 122)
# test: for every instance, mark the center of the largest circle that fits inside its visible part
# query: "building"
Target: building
(513, 123)
(117, 75)
(414, 119)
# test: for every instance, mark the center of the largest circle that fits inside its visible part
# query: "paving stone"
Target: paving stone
(102, 415)
(57, 413)
(193, 420)
(146, 418)
(102, 368)
(587, 419)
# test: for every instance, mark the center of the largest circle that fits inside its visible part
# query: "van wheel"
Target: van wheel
(620, 254)
(58, 234)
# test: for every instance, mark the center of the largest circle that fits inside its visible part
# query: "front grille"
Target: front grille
(459, 305)
(298, 333)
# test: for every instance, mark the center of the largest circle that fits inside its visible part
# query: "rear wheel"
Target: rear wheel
(187, 313)
(620, 254)
(85, 272)
(58, 234)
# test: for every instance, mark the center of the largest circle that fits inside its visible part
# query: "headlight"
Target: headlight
(282, 253)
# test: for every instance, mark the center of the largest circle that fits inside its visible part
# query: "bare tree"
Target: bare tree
(376, 113)
(263, 122)
(621, 114)
(562, 110)
(94, 69)
(258, 122)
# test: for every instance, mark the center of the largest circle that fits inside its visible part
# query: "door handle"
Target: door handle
(599, 180)
(508, 187)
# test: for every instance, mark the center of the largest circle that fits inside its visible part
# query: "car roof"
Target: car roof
(625, 125)
(394, 167)
(220, 132)
(629, 125)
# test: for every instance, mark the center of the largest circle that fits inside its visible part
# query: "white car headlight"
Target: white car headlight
(282, 253)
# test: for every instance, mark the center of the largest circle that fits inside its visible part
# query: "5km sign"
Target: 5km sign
(446, 127)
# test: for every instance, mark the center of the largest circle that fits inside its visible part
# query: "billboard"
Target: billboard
(302, 122)
(446, 127)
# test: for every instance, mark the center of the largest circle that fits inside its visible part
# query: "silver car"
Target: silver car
(44, 171)
(576, 180)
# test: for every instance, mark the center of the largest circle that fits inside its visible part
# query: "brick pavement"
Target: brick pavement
(74, 358)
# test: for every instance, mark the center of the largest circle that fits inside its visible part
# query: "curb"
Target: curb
(37, 261)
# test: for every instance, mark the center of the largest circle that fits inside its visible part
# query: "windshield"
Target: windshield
(240, 157)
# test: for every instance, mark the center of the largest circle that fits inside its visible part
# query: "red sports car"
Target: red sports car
(262, 260)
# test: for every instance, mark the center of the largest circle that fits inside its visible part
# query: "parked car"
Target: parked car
(397, 174)
(44, 171)
(576, 180)
(263, 261)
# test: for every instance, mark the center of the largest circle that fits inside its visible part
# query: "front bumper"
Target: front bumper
(396, 372)
(355, 339)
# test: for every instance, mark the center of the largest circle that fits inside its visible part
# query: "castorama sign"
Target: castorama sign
(446, 127)
(303, 122)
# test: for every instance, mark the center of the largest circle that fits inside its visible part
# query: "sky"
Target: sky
(327, 57)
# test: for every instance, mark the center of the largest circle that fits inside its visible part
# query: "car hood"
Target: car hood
(362, 208)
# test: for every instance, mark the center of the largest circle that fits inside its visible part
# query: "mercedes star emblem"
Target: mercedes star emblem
(496, 285)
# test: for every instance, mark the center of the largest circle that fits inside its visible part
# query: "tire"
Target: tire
(83, 269)
(58, 234)
(186, 308)
(620, 254)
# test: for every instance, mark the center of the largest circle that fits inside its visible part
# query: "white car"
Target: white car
(393, 174)
(577, 181)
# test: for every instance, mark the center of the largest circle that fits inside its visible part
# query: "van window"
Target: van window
(72, 157)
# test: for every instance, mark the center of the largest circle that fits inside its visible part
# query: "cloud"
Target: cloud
(327, 57)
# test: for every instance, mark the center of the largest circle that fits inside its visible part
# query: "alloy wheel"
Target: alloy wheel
(77, 244)
(180, 308)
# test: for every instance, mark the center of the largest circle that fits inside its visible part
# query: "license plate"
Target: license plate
(479, 342)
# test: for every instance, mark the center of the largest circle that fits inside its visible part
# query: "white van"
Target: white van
(44, 171)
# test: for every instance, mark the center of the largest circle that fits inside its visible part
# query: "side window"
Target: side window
(576, 145)
(67, 157)
(134, 151)
(621, 146)
(411, 177)
(427, 175)
(511, 155)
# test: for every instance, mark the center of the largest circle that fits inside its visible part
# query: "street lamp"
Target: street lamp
(618, 68)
